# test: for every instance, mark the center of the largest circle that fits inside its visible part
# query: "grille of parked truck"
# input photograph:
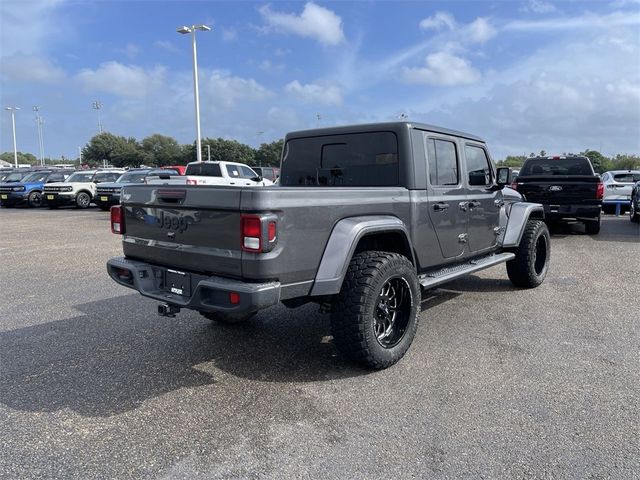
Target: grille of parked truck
(364, 219)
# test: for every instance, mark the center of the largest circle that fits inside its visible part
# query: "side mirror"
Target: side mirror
(257, 178)
(503, 175)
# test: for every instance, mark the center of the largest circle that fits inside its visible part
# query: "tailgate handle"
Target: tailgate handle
(171, 195)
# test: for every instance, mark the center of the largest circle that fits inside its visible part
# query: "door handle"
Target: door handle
(440, 206)
(463, 206)
(473, 204)
(498, 203)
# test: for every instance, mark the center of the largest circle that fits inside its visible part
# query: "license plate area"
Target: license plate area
(104, 198)
(177, 282)
(50, 197)
(3, 197)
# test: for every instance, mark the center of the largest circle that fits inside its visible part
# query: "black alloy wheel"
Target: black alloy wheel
(392, 312)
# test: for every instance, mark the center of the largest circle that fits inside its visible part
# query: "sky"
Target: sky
(526, 75)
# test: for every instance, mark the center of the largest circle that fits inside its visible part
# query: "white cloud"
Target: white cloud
(229, 34)
(222, 88)
(27, 26)
(131, 50)
(315, 93)
(314, 22)
(121, 80)
(438, 21)
(478, 31)
(442, 69)
(586, 21)
(166, 45)
(538, 6)
(30, 68)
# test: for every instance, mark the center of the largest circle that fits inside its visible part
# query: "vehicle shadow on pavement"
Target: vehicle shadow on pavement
(112, 358)
(613, 229)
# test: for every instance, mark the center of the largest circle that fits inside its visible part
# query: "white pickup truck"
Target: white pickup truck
(214, 173)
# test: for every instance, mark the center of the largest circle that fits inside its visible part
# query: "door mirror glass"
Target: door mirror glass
(503, 174)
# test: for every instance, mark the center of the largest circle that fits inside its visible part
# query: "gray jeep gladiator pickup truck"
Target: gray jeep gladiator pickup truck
(364, 217)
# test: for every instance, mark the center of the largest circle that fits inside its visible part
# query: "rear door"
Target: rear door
(446, 193)
(483, 204)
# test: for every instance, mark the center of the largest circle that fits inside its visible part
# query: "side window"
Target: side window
(232, 171)
(478, 167)
(443, 162)
(247, 172)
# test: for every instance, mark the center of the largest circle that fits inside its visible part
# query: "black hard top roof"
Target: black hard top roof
(373, 127)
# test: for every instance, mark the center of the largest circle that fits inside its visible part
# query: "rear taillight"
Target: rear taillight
(117, 219)
(192, 181)
(600, 191)
(259, 233)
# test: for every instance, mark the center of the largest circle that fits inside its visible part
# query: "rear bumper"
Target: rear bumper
(557, 212)
(207, 293)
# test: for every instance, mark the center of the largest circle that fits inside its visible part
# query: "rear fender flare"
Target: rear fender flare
(342, 244)
(519, 215)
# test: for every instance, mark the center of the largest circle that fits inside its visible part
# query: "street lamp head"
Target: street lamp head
(202, 28)
(12, 108)
(183, 30)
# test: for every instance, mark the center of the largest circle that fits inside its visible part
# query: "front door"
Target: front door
(447, 195)
(483, 204)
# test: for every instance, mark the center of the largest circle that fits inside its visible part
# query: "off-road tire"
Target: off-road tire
(592, 227)
(634, 216)
(83, 200)
(228, 318)
(353, 311)
(529, 268)
(35, 199)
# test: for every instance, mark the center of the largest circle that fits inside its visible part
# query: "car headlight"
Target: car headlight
(67, 189)
(18, 189)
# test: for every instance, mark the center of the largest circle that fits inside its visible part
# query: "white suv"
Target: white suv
(216, 173)
(617, 189)
(79, 189)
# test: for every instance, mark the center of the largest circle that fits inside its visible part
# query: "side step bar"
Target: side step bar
(444, 275)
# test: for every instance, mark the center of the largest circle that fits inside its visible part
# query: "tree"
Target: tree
(625, 162)
(543, 153)
(23, 158)
(160, 150)
(114, 149)
(226, 151)
(512, 161)
(600, 163)
(269, 154)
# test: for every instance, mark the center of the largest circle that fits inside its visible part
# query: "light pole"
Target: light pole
(39, 123)
(80, 153)
(97, 105)
(208, 152)
(13, 124)
(258, 135)
(192, 30)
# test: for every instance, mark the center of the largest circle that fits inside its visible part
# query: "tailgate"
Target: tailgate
(558, 190)
(184, 227)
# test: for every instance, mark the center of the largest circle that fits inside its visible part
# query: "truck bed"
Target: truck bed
(197, 228)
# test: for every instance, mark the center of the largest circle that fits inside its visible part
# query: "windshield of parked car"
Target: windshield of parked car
(555, 166)
(631, 177)
(106, 177)
(80, 177)
(15, 176)
(357, 159)
(36, 177)
(240, 171)
(204, 169)
(132, 177)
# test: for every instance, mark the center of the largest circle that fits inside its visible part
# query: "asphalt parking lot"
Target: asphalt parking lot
(499, 382)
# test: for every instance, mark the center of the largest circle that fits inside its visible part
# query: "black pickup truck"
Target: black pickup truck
(566, 186)
(364, 217)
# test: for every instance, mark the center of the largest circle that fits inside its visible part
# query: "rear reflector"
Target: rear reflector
(272, 231)
(600, 191)
(192, 181)
(234, 298)
(117, 219)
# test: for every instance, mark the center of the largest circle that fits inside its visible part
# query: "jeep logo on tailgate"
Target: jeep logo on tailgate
(176, 221)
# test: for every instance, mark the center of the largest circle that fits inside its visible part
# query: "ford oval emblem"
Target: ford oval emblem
(555, 188)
